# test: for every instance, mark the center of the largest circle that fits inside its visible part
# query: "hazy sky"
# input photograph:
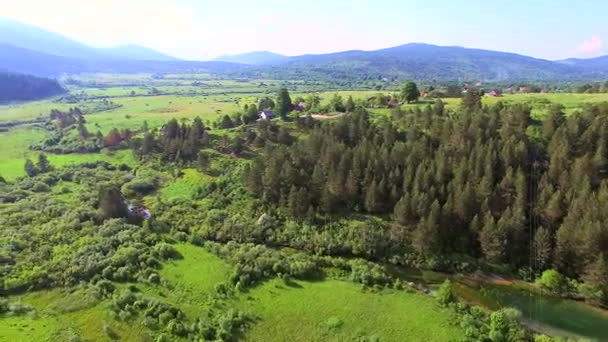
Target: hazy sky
(203, 29)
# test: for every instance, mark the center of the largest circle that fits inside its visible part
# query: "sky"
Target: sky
(203, 29)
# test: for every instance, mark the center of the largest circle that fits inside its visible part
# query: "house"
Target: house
(524, 89)
(300, 106)
(140, 211)
(266, 115)
(493, 92)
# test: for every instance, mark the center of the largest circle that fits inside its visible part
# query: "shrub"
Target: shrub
(41, 187)
(445, 294)
(554, 282)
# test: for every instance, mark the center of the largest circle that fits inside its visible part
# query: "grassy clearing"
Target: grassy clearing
(184, 187)
(341, 311)
(62, 314)
(198, 270)
(157, 110)
(193, 278)
(15, 150)
(30, 110)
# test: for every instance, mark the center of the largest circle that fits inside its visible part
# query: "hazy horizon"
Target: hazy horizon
(200, 31)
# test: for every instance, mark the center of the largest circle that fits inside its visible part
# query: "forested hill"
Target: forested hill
(471, 184)
(19, 87)
(429, 62)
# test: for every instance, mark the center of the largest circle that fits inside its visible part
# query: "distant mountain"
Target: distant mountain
(596, 65)
(135, 52)
(34, 38)
(17, 59)
(254, 58)
(31, 50)
(429, 62)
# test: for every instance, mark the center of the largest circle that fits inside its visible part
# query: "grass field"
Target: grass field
(61, 315)
(64, 313)
(334, 310)
(185, 186)
(15, 149)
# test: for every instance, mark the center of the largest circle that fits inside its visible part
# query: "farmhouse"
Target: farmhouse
(493, 92)
(140, 211)
(266, 115)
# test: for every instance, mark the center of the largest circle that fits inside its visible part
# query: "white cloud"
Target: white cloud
(590, 46)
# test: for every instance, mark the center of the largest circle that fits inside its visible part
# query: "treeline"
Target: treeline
(19, 87)
(174, 142)
(472, 183)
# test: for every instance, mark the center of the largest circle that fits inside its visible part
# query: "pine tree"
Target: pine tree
(426, 238)
(596, 273)
(410, 92)
(202, 161)
(112, 203)
(148, 144)
(471, 101)
(43, 164)
(493, 239)
(197, 130)
(283, 103)
(30, 169)
(349, 105)
(402, 212)
(542, 248)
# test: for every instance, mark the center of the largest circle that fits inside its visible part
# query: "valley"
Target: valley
(196, 203)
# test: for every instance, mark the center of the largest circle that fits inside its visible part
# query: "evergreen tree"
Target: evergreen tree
(112, 204)
(202, 161)
(43, 164)
(349, 105)
(542, 247)
(283, 103)
(471, 101)
(148, 144)
(493, 239)
(426, 239)
(410, 92)
(30, 169)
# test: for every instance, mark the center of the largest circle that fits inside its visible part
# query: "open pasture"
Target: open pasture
(334, 310)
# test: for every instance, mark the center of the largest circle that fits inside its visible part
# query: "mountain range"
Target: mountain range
(34, 38)
(32, 50)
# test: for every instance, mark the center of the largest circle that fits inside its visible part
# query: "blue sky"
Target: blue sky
(204, 29)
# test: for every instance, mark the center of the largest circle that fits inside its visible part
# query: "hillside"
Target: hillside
(424, 61)
(22, 60)
(34, 38)
(17, 87)
(29, 49)
(597, 64)
(254, 58)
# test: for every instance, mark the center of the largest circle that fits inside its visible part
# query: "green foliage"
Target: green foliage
(410, 92)
(445, 293)
(283, 103)
(112, 203)
(504, 326)
(553, 281)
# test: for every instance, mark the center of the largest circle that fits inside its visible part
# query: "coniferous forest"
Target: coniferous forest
(19, 87)
(490, 183)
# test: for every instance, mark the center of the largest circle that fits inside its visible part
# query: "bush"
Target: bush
(166, 251)
(445, 294)
(41, 187)
(554, 282)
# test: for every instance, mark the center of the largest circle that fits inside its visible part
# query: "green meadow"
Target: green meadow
(333, 310)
